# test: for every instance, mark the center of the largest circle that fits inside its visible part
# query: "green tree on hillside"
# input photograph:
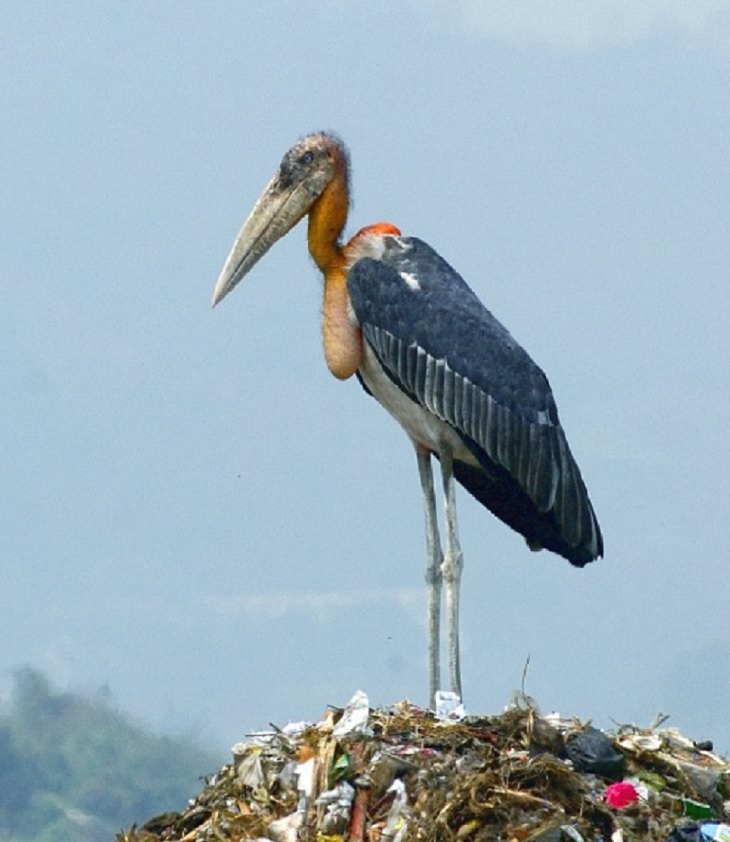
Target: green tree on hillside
(74, 769)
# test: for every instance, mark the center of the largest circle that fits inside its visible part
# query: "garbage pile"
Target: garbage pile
(404, 773)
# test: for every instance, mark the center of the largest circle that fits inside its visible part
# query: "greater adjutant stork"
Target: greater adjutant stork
(421, 343)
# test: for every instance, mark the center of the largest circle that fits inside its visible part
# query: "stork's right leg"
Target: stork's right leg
(434, 562)
(451, 570)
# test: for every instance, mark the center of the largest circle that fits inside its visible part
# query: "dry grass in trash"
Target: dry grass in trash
(401, 774)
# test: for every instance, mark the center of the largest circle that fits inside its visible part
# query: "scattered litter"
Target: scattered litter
(448, 706)
(396, 823)
(285, 829)
(686, 832)
(715, 831)
(621, 794)
(335, 806)
(403, 773)
(591, 750)
(707, 832)
(354, 717)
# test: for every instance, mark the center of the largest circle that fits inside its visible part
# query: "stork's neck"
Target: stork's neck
(327, 220)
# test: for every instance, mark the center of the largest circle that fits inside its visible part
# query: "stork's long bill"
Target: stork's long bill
(300, 181)
(427, 349)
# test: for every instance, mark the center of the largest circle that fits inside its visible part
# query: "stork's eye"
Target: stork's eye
(307, 158)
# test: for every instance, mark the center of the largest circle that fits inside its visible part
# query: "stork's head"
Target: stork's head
(305, 171)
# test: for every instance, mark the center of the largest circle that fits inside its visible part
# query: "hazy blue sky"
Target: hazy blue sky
(194, 512)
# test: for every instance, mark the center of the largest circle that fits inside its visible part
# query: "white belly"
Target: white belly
(423, 427)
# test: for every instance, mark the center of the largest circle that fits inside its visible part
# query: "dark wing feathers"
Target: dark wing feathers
(443, 348)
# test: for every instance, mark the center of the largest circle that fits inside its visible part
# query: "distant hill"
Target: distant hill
(74, 769)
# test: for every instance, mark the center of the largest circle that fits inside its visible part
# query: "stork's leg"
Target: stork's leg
(434, 563)
(451, 569)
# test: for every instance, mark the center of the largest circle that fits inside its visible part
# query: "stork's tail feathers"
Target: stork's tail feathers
(570, 528)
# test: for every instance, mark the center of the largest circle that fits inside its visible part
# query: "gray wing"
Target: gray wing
(446, 351)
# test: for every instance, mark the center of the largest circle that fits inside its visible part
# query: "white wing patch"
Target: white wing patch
(411, 280)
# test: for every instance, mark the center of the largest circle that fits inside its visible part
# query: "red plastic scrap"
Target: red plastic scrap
(620, 795)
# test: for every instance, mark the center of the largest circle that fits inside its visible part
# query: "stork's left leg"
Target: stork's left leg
(434, 564)
(451, 569)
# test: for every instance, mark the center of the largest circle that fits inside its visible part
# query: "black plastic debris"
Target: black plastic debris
(591, 751)
(688, 832)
